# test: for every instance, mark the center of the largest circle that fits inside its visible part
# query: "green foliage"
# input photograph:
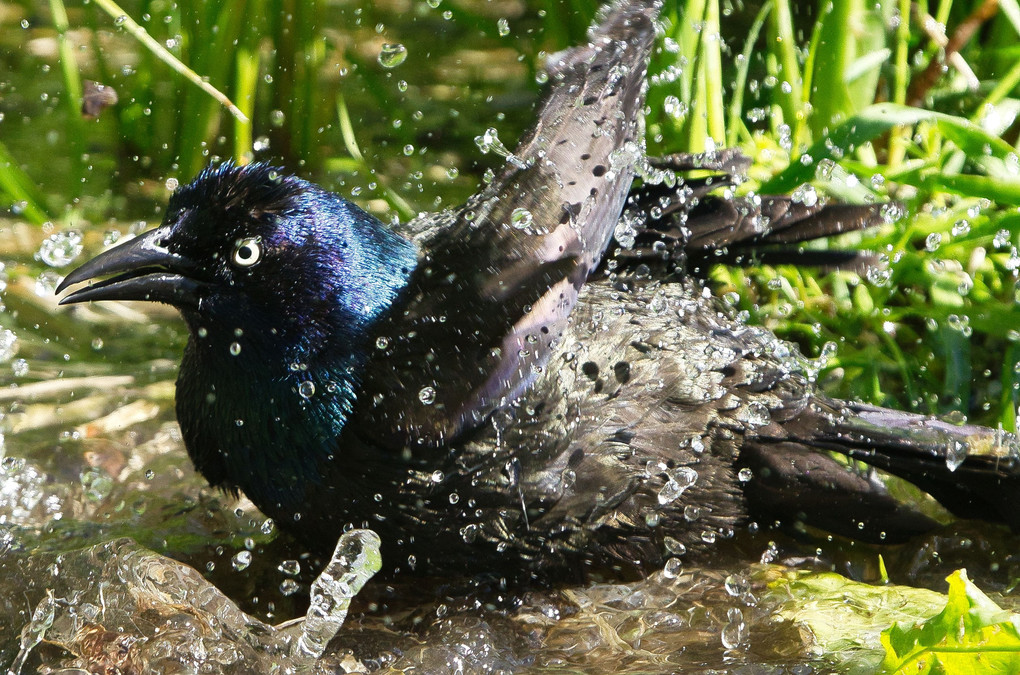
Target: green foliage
(935, 331)
(971, 635)
(841, 618)
(19, 189)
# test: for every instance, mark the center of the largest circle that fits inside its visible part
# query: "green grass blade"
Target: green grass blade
(16, 184)
(75, 130)
(783, 50)
(121, 18)
(736, 111)
(876, 120)
(710, 62)
(245, 84)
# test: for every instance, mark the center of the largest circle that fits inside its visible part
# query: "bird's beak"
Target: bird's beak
(144, 269)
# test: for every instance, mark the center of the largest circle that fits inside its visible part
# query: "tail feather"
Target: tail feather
(974, 472)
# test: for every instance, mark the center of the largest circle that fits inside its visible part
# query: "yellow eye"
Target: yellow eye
(247, 251)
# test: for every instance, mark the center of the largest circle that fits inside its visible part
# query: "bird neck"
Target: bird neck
(265, 390)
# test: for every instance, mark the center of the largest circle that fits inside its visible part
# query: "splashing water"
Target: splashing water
(355, 561)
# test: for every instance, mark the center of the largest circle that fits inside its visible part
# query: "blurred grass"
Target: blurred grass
(817, 95)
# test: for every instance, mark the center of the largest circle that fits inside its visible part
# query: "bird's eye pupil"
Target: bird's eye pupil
(247, 252)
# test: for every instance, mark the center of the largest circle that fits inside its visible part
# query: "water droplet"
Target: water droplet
(737, 585)
(46, 283)
(679, 480)
(673, 568)
(745, 475)
(241, 560)
(961, 228)
(674, 107)
(19, 367)
(289, 587)
(392, 55)
(521, 218)
(770, 554)
(469, 533)
(434, 4)
(878, 276)
(488, 141)
(235, 348)
(290, 567)
(306, 389)
(806, 195)
(96, 483)
(956, 453)
(933, 241)
(427, 395)
(277, 118)
(670, 492)
(735, 632)
(60, 249)
(891, 212)
(503, 27)
(8, 345)
(685, 476)
(757, 414)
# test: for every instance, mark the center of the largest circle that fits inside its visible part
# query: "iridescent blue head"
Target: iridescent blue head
(255, 247)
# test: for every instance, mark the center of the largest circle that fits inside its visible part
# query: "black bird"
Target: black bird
(488, 392)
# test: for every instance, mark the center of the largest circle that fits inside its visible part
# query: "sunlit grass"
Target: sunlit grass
(937, 331)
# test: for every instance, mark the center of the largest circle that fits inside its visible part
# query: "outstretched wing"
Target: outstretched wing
(498, 277)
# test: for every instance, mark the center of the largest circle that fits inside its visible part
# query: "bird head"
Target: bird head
(254, 245)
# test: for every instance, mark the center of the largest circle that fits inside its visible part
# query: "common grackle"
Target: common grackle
(489, 389)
